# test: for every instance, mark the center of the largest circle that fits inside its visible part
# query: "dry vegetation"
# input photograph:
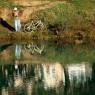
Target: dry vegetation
(70, 18)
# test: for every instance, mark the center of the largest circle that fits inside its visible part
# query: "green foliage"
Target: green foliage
(83, 4)
(6, 4)
(73, 16)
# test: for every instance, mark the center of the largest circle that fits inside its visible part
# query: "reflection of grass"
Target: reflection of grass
(70, 54)
(55, 53)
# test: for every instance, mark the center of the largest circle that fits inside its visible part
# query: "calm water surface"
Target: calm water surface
(47, 69)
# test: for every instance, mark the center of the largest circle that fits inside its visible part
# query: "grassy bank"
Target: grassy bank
(74, 16)
(73, 21)
(67, 38)
(19, 36)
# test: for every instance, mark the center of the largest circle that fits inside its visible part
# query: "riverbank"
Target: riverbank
(69, 38)
(71, 21)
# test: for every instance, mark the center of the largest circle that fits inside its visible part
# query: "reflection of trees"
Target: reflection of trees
(14, 77)
(80, 76)
(53, 75)
(19, 77)
(44, 79)
(76, 74)
(50, 79)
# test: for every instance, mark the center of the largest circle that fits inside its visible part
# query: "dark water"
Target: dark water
(47, 69)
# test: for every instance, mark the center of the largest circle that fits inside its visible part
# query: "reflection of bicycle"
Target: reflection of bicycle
(34, 48)
(33, 25)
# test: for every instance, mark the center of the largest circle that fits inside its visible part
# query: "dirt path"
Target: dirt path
(34, 6)
(28, 8)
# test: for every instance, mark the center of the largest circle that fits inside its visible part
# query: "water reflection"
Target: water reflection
(18, 51)
(3, 47)
(79, 73)
(28, 74)
(39, 52)
(53, 75)
(34, 48)
(47, 79)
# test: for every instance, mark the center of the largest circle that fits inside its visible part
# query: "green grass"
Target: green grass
(74, 16)
(83, 4)
(6, 4)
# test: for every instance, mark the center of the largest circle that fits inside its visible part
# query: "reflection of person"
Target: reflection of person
(17, 57)
(16, 19)
(18, 51)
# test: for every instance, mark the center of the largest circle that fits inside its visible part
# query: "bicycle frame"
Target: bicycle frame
(33, 25)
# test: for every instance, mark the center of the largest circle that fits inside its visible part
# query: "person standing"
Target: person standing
(17, 23)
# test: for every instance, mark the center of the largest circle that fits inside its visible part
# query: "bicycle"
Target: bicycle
(34, 48)
(33, 25)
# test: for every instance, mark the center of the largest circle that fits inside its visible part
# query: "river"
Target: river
(47, 68)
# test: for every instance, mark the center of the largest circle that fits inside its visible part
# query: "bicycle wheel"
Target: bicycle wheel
(39, 25)
(28, 28)
(34, 25)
